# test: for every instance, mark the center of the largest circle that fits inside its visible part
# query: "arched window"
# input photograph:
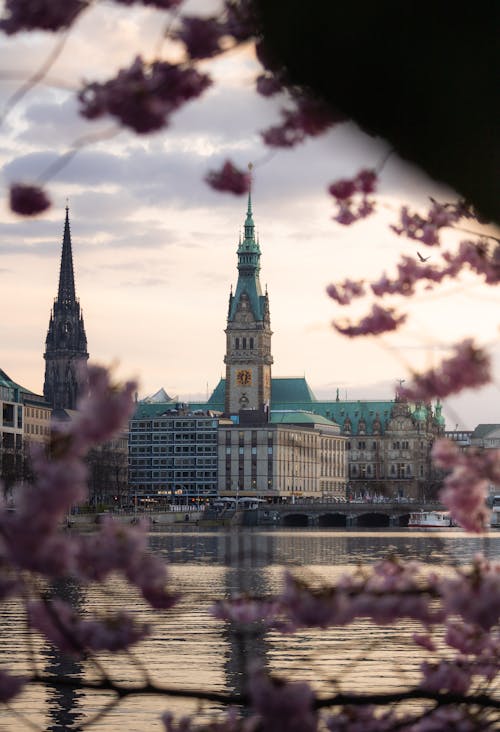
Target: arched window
(237, 343)
(244, 344)
(251, 343)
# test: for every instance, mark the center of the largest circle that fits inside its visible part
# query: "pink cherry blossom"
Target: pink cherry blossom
(308, 117)
(305, 606)
(229, 179)
(63, 627)
(10, 686)
(163, 4)
(229, 723)
(47, 15)
(446, 676)
(28, 200)
(456, 718)
(367, 718)
(282, 706)
(201, 36)
(380, 320)
(465, 487)
(351, 196)
(245, 610)
(104, 410)
(269, 84)
(469, 367)
(241, 19)
(425, 641)
(144, 95)
(344, 292)
(426, 228)
(474, 593)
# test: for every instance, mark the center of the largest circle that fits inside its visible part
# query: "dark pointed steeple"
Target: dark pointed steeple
(66, 344)
(66, 291)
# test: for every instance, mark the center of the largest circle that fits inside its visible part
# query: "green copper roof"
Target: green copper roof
(299, 417)
(294, 394)
(420, 413)
(438, 416)
(22, 392)
(288, 390)
(154, 410)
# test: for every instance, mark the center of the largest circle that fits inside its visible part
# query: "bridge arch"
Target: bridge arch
(373, 519)
(332, 519)
(295, 519)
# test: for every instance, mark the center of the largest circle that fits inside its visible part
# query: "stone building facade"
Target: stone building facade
(293, 456)
(24, 420)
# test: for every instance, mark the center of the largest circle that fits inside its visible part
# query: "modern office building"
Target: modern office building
(172, 454)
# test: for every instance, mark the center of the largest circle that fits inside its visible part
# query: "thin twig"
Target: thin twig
(81, 142)
(43, 70)
(26, 720)
(106, 709)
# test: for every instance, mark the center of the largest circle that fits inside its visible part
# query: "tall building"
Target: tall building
(24, 420)
(172, 453)
(248, 356)
(66, 344)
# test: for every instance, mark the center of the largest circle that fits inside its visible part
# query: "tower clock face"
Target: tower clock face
(244, 377)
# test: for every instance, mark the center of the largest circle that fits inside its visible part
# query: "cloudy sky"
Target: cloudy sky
(155, 249)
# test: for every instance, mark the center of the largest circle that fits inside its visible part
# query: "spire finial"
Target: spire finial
(250, 168)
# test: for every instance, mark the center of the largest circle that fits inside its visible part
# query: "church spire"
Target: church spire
(66, 343)
(66, 293)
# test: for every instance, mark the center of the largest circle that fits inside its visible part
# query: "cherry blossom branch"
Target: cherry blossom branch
(341, 699)
(42, 72)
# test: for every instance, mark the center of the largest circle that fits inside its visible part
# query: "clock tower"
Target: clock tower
(248, 334)
(66, 344)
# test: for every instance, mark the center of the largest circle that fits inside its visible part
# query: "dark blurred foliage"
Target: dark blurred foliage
(423, 75)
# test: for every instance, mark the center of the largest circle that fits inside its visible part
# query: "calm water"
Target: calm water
(189, 649)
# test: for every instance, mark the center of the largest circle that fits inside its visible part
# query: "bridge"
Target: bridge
(349, 514)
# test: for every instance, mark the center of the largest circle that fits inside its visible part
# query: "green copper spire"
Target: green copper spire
(248, 268)
(249, 243)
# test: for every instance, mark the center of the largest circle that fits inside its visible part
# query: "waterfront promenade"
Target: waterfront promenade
(300, 514)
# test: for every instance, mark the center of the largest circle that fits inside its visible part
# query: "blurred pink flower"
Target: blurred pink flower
(47, 15)
(28, 200)
(282, 706)
(10, 686)
(229, 179)
(469, 367)
(63, 627)
(380, 320)
(144, 95)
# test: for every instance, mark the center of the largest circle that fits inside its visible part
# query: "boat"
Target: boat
(430, 520)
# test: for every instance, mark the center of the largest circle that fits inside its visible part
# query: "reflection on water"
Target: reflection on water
(190, 649)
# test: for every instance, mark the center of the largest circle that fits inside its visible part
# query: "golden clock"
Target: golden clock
(244, 377)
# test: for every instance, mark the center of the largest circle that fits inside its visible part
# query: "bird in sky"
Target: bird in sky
(422, 259)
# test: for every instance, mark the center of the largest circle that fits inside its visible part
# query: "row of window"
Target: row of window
(243, 342)
(209, 437)
(174, 475)
(37, 413)
(396, 445)
(174, 424)
(37, 429)
(396, 470)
